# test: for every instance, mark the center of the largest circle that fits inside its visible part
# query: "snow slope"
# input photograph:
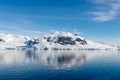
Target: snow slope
(65, 40)
(58, 40)
(9, 41)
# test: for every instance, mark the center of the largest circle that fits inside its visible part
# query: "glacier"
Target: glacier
(12, 41)
(59, 40)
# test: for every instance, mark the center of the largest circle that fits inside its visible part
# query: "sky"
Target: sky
(93, 19)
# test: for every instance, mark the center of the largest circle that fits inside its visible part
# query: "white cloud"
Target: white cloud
(105, 10)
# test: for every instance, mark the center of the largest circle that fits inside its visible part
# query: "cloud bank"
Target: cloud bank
(105, 10)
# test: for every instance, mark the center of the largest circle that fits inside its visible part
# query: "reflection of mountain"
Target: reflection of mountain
(1, 58)
(31, 55)
(65, 59)
(57, 59)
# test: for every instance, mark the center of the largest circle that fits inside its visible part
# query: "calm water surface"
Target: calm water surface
(59, 65)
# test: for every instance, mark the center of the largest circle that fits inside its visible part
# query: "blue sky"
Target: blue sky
(95, 19)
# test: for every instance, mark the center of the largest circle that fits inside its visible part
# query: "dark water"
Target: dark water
(59, 65)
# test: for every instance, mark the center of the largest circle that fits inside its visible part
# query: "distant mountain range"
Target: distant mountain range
(58, 40)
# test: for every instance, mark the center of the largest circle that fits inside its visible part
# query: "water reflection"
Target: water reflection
(31, 55)
(64, 59)
(57, 59)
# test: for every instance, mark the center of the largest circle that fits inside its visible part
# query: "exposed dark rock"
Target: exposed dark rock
(1, 40)
(36, 41)
(65, 41)
(48, 39)
(30, 43)
(76, 34)
(45, 37)
(78, 39)
(72, 43)
(83, 42)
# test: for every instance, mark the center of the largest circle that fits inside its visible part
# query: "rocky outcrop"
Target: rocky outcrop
(2, 40)
(65, 41)
(83, 42)
(32, 42)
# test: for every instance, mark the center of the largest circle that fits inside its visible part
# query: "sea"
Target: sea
(59, 65)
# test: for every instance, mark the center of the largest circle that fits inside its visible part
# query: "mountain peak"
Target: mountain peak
(59, 40)
(64, 40)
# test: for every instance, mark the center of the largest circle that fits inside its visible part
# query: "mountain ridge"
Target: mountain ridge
(59, 40)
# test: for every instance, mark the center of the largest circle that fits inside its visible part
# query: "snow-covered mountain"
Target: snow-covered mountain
(58, 40)
(64, 41)
(10, 41)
